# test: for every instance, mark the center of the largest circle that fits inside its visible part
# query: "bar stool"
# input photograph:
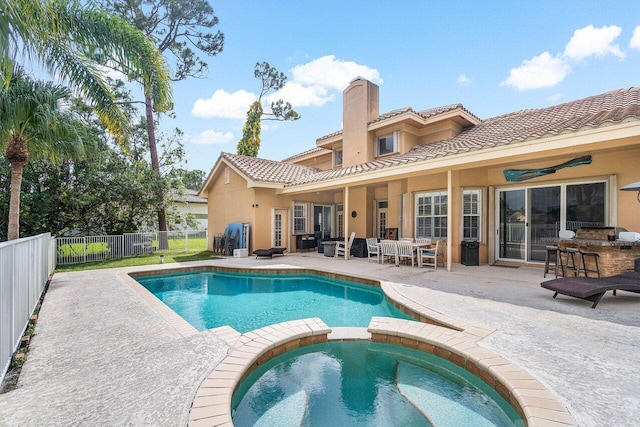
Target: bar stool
(551, 260)
(570, 262)
(594, 256)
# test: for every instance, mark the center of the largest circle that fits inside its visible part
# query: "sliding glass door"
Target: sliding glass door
(527, 215)
(511, 234)
(543, 207)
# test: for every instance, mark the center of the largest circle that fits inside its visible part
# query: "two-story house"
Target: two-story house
(443, 173)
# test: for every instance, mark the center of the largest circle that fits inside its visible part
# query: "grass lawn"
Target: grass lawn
(169, 257)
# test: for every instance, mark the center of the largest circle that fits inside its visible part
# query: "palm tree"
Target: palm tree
(33, 120)
(68, 37)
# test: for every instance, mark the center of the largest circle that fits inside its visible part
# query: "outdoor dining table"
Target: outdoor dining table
(417, 248)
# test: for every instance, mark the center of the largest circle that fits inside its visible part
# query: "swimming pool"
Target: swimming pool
(248, 301)
(367, 383)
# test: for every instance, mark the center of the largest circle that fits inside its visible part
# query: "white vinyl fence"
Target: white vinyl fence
(73, 250)
(25, 266)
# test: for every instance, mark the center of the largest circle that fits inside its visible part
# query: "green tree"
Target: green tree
(189, 179)
(271, 80)
(113, 192)
(177, 26)
(33, 121)
(65, 36)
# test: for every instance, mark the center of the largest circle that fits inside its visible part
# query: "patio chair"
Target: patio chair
(373, 248)
(340, 249)
(423, 241)
(432, 256)
(405, 251)
(388, 249)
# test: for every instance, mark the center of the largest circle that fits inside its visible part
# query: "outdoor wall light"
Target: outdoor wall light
(354, 214)
(635, 186)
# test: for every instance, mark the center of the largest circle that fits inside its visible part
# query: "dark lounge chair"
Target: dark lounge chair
(592, 289)
(269, 252)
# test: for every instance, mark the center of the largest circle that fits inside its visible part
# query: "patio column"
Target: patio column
(347, 215)
(449, 217)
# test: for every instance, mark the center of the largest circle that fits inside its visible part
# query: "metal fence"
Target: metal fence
(73, 250)
(25, 266)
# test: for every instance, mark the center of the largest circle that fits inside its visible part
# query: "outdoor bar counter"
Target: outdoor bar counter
(616, 256)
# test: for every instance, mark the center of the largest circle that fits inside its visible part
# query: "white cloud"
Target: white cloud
(635, 39)
(546, 70)
(110, 72)
(210, 137)
(590, 41)
(332, 73)
(313, 85)
(540, 71)
(463, 80)
(301, 96)
(224, 105)
(554, 99)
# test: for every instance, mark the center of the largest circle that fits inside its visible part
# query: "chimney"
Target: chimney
(360, 105)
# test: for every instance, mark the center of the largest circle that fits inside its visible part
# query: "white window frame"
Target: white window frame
(299, 215)
(395, 138)
(433, 210)
(335, 157)
(472, 209)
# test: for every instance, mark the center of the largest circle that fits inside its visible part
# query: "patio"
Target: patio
(102, 356)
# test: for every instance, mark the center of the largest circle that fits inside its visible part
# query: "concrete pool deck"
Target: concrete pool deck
(101, 355)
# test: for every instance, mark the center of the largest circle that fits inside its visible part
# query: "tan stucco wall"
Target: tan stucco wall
(229, 203)
(360, 106)
(322, 161)
(624, 164)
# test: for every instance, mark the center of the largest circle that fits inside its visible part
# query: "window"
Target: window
(337, 157)
(299, 218)
(387, 144)
(471, 219)
(227, 175)
(431, 215)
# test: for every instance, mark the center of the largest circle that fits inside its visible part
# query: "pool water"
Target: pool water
(250, 301)
(365, 383)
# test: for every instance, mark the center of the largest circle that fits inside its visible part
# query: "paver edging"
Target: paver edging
(395, 298)
(504, 377)
(257, 347)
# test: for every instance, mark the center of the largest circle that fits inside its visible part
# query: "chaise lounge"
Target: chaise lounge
(269, 252)
(592, 289)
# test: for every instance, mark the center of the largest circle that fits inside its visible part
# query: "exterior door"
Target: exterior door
(543, 213)
(381, 218)
(528, 215)
(512, 224)
(280, 228)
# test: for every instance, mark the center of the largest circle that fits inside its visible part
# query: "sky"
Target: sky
(494, 57)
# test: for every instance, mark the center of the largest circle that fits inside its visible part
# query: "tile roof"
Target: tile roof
(188, 196)
(263, 170)
(611, 107)
(314, 150)
(425, 114)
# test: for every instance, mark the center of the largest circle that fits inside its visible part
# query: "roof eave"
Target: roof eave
(601, 134)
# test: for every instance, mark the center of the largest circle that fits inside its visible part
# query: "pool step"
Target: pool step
(289, 412)
(426, 390)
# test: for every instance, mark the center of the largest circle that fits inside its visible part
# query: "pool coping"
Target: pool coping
(408, 306)
(534, 403)
(432, 332)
